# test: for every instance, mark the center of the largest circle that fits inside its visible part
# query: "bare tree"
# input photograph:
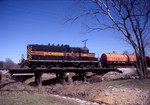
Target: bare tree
(9, 64)
(130, 17)
(1, 64)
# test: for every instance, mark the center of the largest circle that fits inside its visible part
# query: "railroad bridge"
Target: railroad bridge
(60, 72)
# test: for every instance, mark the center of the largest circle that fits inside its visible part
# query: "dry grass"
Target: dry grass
(33, 99)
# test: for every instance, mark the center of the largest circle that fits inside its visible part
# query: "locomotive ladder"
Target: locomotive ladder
(60, 72)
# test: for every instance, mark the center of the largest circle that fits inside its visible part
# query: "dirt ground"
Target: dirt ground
(109, 89)
(123, 96)
(112, 95)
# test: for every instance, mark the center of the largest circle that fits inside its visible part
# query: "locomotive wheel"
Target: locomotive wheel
(49, 66)
(88, 66)
(33, 66)
(81, 66)
(58, 65)
(92, 66)
(43, 66)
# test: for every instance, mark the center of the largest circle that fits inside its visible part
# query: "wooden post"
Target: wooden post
(76, 74)
(80, 76)
(57, 75)
(70, 81)
(38, 79)
(62, 78)
(84, 77)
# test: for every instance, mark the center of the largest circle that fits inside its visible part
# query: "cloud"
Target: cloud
(10, 49)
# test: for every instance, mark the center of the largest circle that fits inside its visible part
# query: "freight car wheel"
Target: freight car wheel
(92, 66)
(49, 66)
(43, 66)
(111, 66)
(59, 65)
(88, 66)
(33, 67)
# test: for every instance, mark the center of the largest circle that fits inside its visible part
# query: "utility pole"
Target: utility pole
(84, 43)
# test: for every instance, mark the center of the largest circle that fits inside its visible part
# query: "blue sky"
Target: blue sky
(25, 22)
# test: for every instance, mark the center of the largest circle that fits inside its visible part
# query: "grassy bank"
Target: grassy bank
(129, 83)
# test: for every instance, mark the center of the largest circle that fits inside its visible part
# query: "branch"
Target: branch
(99, 28)
(88, 13)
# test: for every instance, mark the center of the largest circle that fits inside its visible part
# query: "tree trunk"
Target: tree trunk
(141, 67)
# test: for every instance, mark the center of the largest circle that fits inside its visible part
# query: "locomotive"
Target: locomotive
(59, 56)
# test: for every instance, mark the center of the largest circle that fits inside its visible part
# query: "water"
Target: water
(83, 102)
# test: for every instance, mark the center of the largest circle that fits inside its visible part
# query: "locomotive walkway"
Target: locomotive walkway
(60, 72)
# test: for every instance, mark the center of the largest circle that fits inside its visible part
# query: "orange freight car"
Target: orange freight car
(113, 59)
(132, 58)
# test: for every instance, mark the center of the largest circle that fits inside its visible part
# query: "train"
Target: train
(65, 56)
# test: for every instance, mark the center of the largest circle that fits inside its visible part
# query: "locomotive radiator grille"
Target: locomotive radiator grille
(29, 53)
